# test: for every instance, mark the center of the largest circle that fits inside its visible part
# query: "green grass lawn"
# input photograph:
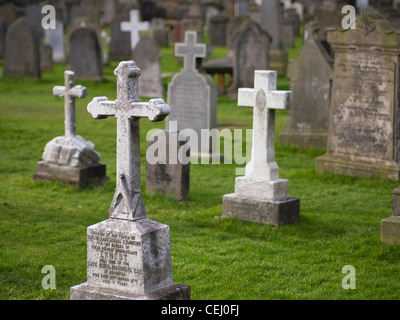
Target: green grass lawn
(45, 223)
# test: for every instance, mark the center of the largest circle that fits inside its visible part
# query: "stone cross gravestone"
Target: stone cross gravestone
(129, 255)
(22, 53)
(307, 125)
(193, 98)
(261, 196)
(363, 138)
(390, 227)
(85, 54)
(134, 26)
(147, 56)
(70, 158)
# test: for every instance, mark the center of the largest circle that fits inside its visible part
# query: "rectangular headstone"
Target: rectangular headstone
(363, 125)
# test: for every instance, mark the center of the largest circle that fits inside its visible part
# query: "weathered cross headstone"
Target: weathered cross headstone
(70, 158)
(128, 255)
(85, 54)
(363, 138)
(261, 196)
(55, 38)
(193, 97)
(134, 26)
(147, 56)
(22, 53)
(307, 125)
(390, 227)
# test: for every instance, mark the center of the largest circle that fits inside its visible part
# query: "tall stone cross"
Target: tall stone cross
(134, 26)
(127, 203)
(190, 50)
(265, 100)
(70, 92)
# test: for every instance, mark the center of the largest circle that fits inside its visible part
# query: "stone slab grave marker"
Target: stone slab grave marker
(307, 125)
(70, 158)
(261, 196)
(134, 26)
(363, 136)
(192, 96)
(129, 255)
(120, 43)
(390, 227)
(22, 53)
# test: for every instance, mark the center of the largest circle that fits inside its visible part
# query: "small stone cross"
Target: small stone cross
(264, 99)
(190, 50)
(134, 26)
(70, 92)
(127, 203)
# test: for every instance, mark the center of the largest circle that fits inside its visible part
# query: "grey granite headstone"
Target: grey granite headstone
(85, 54)
(22, 53)
(120, 43)
(70, 158)
(232, 27)
(307, 125)
(250, 53)
(128, 255)
(46, 57)
(261, 196)
(33, 13)
(218, 30)
(390, 227)
(363, 135)
(193, 96)
(147, 56)
(55, 38)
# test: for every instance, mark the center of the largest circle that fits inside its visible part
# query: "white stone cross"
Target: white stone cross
(128, 109)
(264, 98)
(190, 50)
(134, 26)
(70, 92)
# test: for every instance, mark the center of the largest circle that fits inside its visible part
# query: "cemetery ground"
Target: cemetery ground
(45, 223)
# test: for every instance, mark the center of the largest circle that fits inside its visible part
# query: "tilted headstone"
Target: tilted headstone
(120, 43)
(85, 54)
(307, 125)
(70, 158)
(261, 196)
(147, 56)
(363, 137)
(390, 227)
(250, 53)
(134, 26)
(22, 53)
(128, 255)
(193, 96)
(55, 38)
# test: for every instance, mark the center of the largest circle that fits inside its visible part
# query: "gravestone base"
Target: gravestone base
(80, 176)
(87, 292)
(353, 166)
(304, 140)
(129, 259)
(390, 230)
(278, 61)
(271, 212)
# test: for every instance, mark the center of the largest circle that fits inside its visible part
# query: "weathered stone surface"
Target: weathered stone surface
(307, 125)
(260, 195)
(193, 95)
(22, 53)
(128, 255)
(363, 139)
(120, 43)
(85, 54)
(390, 230)
(171, 177)
(147, 56)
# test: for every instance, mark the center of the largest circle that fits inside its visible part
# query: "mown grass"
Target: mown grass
(45, 223)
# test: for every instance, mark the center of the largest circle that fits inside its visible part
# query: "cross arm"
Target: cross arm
(246, 97)
(155, 110)
(101, 108)
(279, 100)
(59, 91)
(75, 92)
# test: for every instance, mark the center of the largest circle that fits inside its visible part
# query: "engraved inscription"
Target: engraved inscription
(362, 105)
